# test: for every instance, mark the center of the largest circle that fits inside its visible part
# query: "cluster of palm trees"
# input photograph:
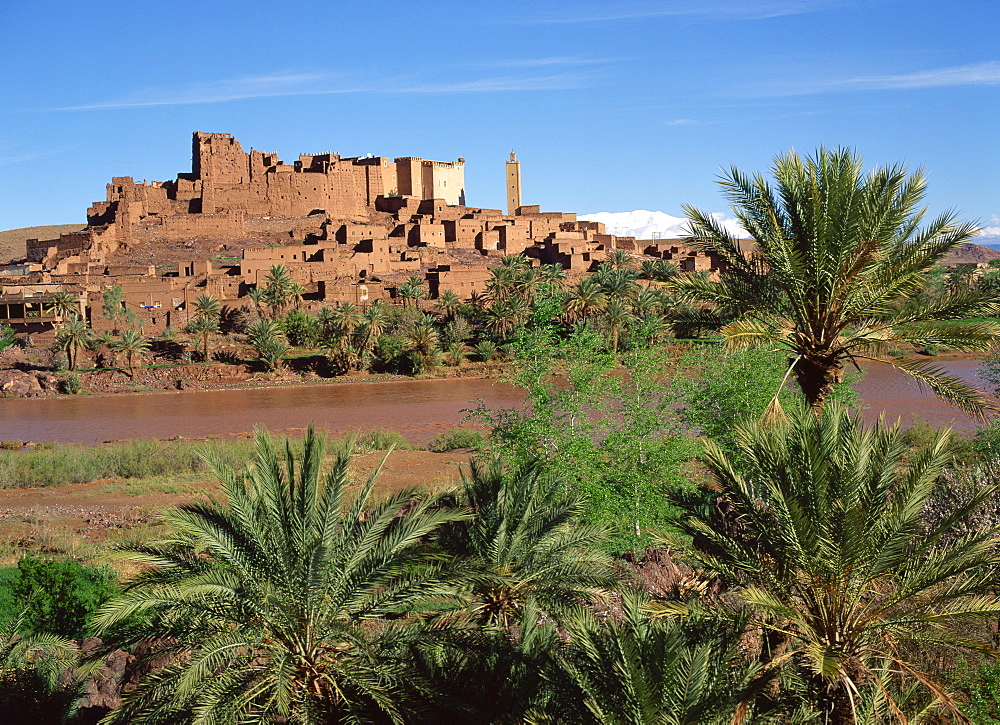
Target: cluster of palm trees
(294, 600)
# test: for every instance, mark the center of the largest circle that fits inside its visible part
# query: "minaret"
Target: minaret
(513, 184)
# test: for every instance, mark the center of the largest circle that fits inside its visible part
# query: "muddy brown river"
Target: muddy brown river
(419, 409)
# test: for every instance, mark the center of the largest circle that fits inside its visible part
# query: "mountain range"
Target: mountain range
(643, 224)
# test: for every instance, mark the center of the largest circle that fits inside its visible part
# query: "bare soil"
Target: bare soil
(12, 241)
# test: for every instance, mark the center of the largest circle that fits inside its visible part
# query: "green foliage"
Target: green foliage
(635, 669)
(824, 531)
(613, 437)
(34, 686)
(839, 261)
(72, 384)
(113, 305)
(526, 545)
(721, 388)
(62, 464)
(268, 342)
(456, 439)
(485, 350)
(380, 439)
(981, 688)
(7, 336)
(58, 597)
(301, 328)
(269, 598)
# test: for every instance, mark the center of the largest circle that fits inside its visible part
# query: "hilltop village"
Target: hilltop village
(347, 229)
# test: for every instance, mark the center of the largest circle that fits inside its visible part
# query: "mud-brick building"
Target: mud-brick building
(345, 228)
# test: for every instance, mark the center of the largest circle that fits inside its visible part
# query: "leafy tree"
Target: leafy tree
(266, 599)
(614, 438)
(60, 596)
(825, 538)
(113, 304)
(7, 336)
(300, 328)
(836, 272)
(525, 545)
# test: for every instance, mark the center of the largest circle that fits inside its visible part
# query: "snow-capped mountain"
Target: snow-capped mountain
(643, 224)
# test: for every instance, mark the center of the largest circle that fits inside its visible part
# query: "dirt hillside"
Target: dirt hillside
(971, 253)
(12, 240)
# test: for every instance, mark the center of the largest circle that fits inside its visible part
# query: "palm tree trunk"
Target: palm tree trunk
(817, 379)
(835, 704)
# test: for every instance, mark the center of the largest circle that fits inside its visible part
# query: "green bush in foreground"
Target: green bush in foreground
(57, 597)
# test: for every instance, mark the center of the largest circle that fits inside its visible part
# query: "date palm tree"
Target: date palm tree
(205, 321)
(64, 304)
(835, 274)
(616, 314)
(130, 344)
(826, 545)
(265, 601)
(584, 299)
(448, 303)
(203, 326)
(527, 543)
(639, 670)
(71, 337)
(267, 340)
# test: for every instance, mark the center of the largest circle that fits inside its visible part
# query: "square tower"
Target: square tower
(513, 184)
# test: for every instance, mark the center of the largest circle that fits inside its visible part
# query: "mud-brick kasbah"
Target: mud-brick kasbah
(346, 229)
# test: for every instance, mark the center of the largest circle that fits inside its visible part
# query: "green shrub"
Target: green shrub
(458, 438)
(981, 687)
(380, 440)
(71, 384)
(60, 596)
(486, 350)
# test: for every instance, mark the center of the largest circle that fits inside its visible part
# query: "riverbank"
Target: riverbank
(21, 376)
(84, 521)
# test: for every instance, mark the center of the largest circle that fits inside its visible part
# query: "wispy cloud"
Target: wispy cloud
(976, 74)
(717, 9)
(9, 159)
(682, 122)
(320, 84)
(543, 62)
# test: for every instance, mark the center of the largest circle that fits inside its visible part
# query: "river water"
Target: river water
(419, 409)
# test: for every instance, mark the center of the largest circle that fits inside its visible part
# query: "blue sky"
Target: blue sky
(609, 106)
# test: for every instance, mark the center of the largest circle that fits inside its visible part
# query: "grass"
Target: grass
(61, 464)
(163, 466)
